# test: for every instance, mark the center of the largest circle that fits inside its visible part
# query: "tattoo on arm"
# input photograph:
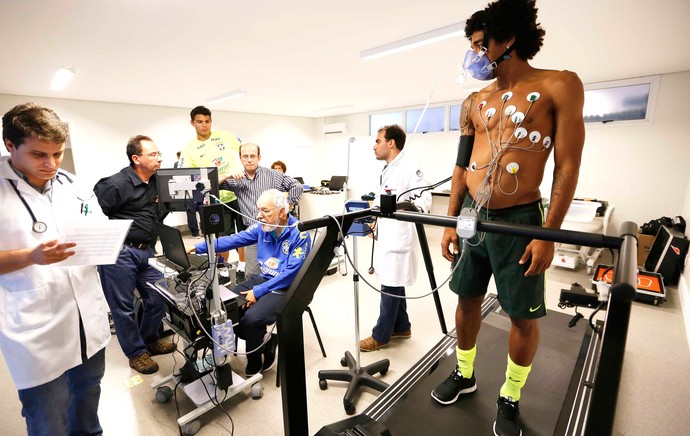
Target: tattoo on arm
(466, 127)
(557, 186)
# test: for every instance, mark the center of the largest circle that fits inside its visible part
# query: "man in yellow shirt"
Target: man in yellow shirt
(215, 148)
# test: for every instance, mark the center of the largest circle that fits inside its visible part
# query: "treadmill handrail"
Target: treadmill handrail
(602, 406)
(596, 240)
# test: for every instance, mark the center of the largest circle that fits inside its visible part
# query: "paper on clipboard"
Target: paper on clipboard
(98, 241)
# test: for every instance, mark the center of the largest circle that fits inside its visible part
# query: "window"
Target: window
(376, 121)
(623, 100)
(454, 123)
(432, 121)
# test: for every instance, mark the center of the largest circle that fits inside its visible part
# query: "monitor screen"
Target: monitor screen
(177, 187)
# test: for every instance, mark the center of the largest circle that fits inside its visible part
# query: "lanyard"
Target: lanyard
(38, 226)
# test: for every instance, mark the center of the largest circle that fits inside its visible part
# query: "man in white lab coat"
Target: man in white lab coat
(396, 255)
(53, 319)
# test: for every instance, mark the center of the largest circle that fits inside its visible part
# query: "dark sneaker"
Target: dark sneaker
(403, 335)
(454, 386)
(507, 418)
(143, 364)
(269, 353)
(161, 347)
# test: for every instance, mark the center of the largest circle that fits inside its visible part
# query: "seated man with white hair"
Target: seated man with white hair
(282, 249)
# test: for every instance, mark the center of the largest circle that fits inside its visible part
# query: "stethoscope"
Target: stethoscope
(39, 226)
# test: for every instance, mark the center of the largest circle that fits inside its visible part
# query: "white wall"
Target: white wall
(99, 133)
(684, 282)
(642, 169)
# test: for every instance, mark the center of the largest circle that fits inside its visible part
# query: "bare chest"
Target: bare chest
(513, 119)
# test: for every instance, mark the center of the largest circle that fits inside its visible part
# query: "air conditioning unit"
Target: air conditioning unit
(334, 128)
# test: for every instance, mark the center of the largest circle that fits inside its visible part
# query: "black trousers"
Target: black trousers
(253, 321)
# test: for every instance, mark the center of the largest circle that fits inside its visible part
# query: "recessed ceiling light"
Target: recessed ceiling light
(226, 96)
(430, 37)
(62, 78)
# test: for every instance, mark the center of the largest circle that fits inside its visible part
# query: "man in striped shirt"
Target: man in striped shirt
(248, 188)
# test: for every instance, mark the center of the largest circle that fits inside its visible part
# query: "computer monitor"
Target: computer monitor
(178, 187)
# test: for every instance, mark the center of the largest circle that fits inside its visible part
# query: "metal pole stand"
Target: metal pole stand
(357, 376)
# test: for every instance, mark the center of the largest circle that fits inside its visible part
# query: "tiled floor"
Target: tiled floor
(650, 402)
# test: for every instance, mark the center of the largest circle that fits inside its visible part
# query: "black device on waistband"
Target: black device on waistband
(465, 146)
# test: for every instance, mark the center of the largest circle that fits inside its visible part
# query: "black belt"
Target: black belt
(140, 245)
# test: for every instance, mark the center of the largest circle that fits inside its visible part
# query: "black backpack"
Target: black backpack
(652, 227)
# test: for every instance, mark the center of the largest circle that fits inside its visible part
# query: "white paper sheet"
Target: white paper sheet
(98, 241)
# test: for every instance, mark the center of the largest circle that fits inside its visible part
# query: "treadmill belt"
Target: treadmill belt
(474, 414)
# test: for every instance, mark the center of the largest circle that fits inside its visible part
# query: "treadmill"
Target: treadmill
(574, 391)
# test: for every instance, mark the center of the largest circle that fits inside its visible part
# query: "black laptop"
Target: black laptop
(337, 183)
(174, 253)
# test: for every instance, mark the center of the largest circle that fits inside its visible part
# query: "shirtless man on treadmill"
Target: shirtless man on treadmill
(508, 130)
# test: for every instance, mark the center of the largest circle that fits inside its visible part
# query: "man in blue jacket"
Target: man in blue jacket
(281, 251)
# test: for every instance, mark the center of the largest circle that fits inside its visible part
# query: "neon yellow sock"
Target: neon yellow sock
(516, 376)
(466, 361)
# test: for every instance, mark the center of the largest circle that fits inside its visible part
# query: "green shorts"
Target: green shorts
(232, 220)
(490, 253)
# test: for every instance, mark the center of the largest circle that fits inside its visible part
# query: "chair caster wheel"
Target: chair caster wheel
(163, 394)
(349, 408)
(323, 384)
(372, 270)
(191, 428)
(343, 362)
(257, 391)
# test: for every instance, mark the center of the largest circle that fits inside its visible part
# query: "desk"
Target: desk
(182, 320)
(313, 205)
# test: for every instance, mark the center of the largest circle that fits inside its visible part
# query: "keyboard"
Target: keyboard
(197, 262)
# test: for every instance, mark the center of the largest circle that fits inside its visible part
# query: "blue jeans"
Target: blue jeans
(192, 223)
(67, 405)
(392, 314)
(132, 271)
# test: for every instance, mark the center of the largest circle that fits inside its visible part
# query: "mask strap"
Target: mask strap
(503, 57)
(485, 45)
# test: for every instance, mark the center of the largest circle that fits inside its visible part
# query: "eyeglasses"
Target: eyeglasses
(266, 210)
(154, 154)
(248, 157)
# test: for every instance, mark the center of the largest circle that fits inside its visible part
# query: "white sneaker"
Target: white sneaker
(240, 266)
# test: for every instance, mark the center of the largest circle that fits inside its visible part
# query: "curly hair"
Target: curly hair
(506, 18)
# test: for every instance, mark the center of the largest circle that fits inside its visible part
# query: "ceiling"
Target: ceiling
(301, 57)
